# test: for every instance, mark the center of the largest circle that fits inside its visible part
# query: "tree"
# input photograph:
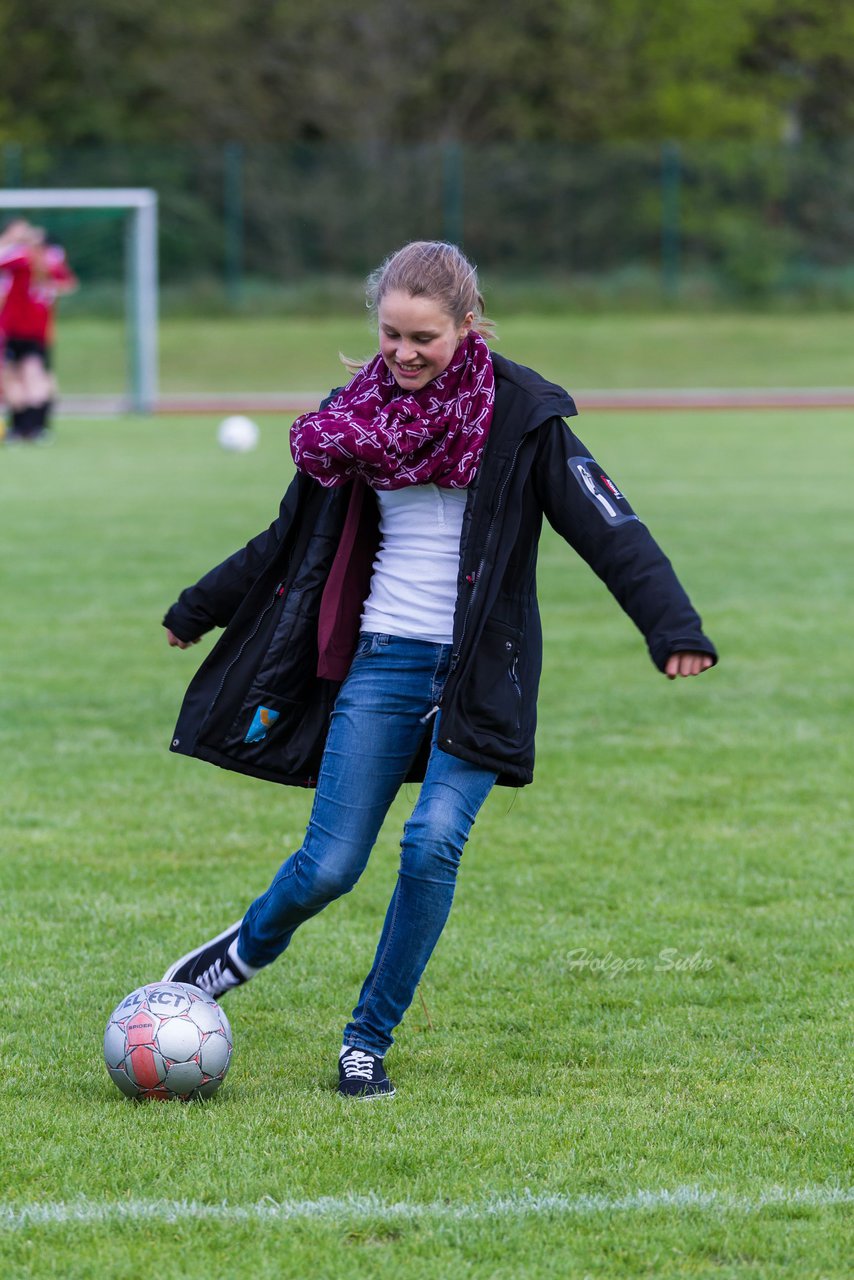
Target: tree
(133, 71)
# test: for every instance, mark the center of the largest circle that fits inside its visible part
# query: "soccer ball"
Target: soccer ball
(168, 1040)
(238, 434)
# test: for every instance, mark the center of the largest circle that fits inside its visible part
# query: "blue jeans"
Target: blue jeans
(377, 727)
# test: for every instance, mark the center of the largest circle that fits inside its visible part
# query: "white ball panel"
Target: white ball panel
(123, 1081)
(115, 1045)
(179, 1039)
(206, 1017)
(184, 1077)
(215, 1054)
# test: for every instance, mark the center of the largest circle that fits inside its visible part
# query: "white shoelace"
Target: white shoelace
(358, 1065)
(215, 979)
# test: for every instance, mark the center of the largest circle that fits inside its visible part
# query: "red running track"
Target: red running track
(635, 399)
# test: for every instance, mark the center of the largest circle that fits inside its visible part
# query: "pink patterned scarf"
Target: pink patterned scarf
(391, 439)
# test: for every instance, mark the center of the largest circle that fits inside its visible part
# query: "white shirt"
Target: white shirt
(414, 583)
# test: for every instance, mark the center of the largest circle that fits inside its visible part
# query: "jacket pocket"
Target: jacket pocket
(285, 736)
(495, 695)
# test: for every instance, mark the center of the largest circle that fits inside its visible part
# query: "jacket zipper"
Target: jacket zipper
(475, 578)
(514, 678)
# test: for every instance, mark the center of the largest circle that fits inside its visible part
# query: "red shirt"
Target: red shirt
(28, 299)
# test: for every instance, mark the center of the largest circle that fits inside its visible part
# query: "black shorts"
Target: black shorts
(17, 349)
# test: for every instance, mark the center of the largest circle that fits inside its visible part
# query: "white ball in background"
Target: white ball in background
(238, 434)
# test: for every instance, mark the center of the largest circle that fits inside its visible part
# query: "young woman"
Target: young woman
(385, 627)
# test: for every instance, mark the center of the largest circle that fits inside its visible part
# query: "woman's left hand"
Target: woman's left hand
(686, 664)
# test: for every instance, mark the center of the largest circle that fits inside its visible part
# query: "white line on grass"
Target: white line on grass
(372, 1208)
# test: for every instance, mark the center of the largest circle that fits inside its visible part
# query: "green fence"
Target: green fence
(681, 223)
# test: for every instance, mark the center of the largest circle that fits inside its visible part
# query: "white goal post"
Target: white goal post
(140, 203)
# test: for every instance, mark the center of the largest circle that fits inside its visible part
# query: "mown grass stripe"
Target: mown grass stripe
(89, 1212)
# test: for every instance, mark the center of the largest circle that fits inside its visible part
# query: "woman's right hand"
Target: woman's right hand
(180, 644)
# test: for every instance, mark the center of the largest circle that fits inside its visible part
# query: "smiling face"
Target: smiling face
(417, 338)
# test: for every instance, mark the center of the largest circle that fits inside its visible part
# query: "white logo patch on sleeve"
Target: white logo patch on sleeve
(601, 490)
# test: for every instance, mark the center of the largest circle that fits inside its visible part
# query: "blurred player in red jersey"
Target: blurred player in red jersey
(33, 274)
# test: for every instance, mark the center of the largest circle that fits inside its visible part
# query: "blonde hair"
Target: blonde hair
(429, 269)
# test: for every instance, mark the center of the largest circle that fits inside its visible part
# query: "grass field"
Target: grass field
(599, 351)
(640, 1053)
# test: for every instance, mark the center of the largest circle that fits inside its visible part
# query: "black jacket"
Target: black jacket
(267, 596)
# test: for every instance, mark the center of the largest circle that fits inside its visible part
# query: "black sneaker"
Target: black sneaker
(210, 967)
(362, 1075)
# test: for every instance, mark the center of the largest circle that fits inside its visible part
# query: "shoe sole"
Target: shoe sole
(173, 968)
(366, 1097)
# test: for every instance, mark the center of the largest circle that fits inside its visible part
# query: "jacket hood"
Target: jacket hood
(536, 397)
